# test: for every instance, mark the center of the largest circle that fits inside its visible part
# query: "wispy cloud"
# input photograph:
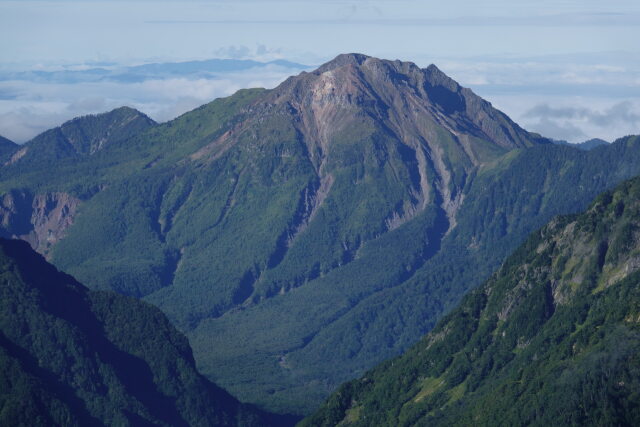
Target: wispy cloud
(357, 18)
(573, 123)
(622, 112)
(515, 72)
(258, 53)
(560, 130)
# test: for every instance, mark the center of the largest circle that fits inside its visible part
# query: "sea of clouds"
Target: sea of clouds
(34, 100)
(570, 98)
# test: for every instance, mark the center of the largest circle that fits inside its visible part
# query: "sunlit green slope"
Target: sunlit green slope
(552, 338)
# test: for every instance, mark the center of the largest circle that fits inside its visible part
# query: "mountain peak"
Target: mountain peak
(412, 99)
(120, 113)
(362, 62)
(342, 60)
(355, 101)
(357, 109)
(85, 135)
(437, 77)
(433, 73)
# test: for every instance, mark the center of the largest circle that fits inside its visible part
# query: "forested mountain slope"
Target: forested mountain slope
(552, 338)
(380, 308)
(70, 356)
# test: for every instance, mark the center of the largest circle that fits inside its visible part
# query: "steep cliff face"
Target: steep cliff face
(41, 219)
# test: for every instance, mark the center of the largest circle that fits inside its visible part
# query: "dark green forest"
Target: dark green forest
(70, 356)
(552, 338)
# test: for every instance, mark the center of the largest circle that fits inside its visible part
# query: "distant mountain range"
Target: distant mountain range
(300, 235)
(138, 73)
(552, 338)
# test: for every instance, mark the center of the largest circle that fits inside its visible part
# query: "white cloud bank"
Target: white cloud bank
(28, 108)
(572, 123)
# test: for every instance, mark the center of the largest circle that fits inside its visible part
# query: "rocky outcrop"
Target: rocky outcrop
(17, 155)
(42, 219)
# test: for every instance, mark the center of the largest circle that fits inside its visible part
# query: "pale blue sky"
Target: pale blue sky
(529, 58)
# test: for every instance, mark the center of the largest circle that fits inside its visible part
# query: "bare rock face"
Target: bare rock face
(42, 220)
(17, 155)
